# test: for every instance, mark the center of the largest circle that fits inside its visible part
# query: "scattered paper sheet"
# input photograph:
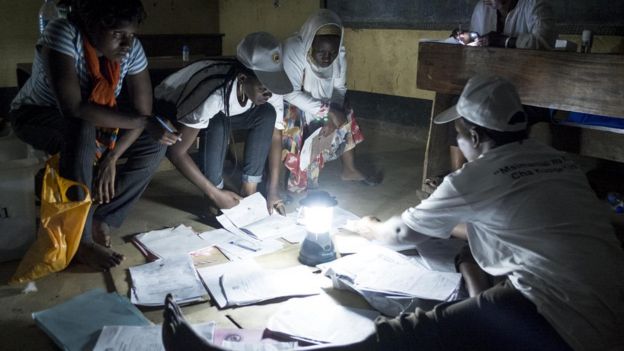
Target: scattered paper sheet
(251, 218)
(244, 282)
(349, 243)
(244, 248)
(320, 319)
(171, 242)
(151, 282)
(272, 226)
(243, 287)
(248, 340)
(250, 209)
(76, 323)
(368, 270)
(212, 277)
(141, 338)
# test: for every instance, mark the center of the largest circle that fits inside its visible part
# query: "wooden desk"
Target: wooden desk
(590, 83)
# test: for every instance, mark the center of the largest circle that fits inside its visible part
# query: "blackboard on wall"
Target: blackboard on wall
(604, 17)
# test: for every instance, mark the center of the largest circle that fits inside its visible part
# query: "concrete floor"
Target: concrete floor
(171, 200)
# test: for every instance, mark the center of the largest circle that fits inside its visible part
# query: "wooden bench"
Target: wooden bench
(589, 83)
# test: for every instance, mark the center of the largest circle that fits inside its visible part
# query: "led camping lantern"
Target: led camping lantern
(317, 212)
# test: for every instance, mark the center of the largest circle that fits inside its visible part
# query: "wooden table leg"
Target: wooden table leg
(437, 156)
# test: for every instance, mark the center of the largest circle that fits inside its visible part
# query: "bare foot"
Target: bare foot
(97, 256)
(177, 334)
(352, 175)
(101, 233)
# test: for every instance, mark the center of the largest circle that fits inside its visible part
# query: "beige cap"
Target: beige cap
(262, 53)
(490, 102)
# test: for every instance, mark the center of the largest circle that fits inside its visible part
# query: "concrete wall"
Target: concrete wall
(380, 61)
(237, 18)
(18, 22)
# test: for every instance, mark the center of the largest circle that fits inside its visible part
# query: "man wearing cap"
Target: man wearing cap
(215, 97)
(530, 217)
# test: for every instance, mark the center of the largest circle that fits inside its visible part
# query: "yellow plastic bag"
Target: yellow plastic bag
(60, 227)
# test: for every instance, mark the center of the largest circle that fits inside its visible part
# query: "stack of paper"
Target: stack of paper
(76, 324)
(142, 338)
(170, 242)
(244, 282)
(368, 270)
(319, 319)
(238, 249)
(251, 217)
(152, 282)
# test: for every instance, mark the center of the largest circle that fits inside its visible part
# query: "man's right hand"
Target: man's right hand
(225, 199)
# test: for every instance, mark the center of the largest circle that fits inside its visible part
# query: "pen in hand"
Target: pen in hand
(166, 126)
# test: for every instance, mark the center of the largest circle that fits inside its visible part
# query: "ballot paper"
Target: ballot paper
(244, 282)
(142, 338)
(259, 346)
(243, 287)
(251, 217)
(368, 270)
(211, 276)
(248, 340)
(169, 242)
(152, 282)
(76, 323)
(239, 249)
(319, 319)
(347, 242)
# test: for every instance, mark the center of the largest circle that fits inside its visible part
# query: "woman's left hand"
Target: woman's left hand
(104, 185)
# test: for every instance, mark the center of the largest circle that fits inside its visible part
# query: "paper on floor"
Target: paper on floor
(212, 277)
(76, 323)
(244, 282)
(142, 338)
(169, 242)
(242, 287)
(368, 270)
(151, 282)
(251, 218)
(321, 319)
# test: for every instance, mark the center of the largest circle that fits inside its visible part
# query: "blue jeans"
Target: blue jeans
(259, 121)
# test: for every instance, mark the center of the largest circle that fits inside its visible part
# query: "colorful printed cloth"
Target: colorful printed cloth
(294, 134)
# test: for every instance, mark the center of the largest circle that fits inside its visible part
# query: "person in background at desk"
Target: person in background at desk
(530, 216)
(523, 24)
(68, 106)
(217, 96)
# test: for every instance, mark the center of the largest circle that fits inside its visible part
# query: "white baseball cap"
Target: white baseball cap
(490, 102)
(262, 53)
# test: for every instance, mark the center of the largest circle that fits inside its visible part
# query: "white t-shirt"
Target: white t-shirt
(200, 118)
(531, 22)
(532, 216)
(171, 88)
